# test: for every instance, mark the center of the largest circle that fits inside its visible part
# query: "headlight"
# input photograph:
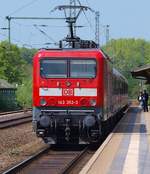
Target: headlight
(92, 102)
(43, 102)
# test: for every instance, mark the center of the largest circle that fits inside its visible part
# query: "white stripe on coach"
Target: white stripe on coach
(92, 92)
(50, 92)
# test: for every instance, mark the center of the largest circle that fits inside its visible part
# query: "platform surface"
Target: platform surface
(128, 149)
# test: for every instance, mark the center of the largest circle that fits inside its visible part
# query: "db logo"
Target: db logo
(67, 92)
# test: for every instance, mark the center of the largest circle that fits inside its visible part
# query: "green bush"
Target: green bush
(24, 94)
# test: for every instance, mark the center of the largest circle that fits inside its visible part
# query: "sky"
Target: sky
(127, 19)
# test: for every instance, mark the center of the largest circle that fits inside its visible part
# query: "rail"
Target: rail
(74, 162)
(15, 121)
(49, 161)
(24, 163)
(13, 112)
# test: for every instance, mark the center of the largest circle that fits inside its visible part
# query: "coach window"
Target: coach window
(53, 68)
(83, 68)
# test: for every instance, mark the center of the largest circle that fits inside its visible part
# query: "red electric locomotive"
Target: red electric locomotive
(75, 92)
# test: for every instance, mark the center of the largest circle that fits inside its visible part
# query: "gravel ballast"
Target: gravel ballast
(17, 144)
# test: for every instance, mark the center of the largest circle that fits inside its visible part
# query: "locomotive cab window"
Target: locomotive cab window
(82, 68)
(53, 68)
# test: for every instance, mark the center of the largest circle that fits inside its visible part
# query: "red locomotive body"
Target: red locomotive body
(75, 92)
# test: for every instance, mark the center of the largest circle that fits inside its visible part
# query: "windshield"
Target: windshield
(68, 68)
(53, 68)
(82, 68)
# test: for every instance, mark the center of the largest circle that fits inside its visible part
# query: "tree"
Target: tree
(27, 54)
(128, 54)
(12, 64)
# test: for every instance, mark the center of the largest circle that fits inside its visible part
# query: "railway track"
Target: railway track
(53, 161)
(13, 112)
(13, 119)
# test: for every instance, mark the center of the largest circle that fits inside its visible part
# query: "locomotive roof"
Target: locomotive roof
(69, 49)
(76, 49)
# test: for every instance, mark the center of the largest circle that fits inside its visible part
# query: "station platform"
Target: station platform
(127, 148)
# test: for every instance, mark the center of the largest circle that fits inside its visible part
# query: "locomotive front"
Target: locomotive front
(67, 97)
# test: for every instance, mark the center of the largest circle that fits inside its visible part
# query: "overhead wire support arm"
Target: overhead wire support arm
(34, 18)
(9, 18)
(86, 15)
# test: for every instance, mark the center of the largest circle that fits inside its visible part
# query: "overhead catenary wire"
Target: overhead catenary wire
(23, 7)
(24, 25)
(87, 3)
(41, 31)
(3, 34)
(16, 40)
(44, 33)
(9, 18)
(46, 25)
(86, 17)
